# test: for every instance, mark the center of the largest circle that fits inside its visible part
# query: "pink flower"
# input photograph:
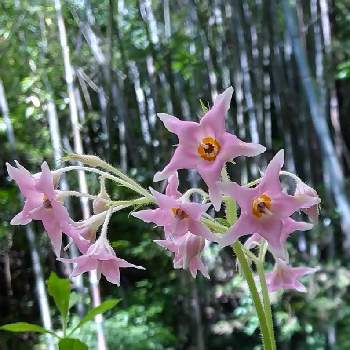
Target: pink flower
(284, 276)
(176, 216)
(187, 249)
(302, 190)
(278, 250)
(41, 202)
(264, 208)
(83, 233)
(206, 146)
(101, 257)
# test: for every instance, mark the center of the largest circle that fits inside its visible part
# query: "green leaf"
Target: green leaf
(71, 344)
(23, 327)
(105, 306)
(59, 289)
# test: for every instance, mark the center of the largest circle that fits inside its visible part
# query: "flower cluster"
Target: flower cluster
(265, 209)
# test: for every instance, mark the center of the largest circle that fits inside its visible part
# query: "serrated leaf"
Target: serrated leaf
(59, 289)
(24, 327)
(105, 306)
(71, 344)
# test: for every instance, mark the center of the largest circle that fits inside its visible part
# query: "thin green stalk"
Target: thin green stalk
(265, 293)
(231, 217)
(248, 274)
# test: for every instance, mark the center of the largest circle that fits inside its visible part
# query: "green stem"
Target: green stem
(265, 293)
(248, 274)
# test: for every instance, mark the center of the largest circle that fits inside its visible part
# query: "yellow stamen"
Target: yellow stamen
(179, 213)
(209, 148)
(261, 205)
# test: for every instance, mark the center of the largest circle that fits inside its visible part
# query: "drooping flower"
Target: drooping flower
(41, 202)
(264, 208)
(83, 233)
(278, 250)
(176, 215)
(100, 257)
(206, 146)
(187, 249)
(302, 190)
(284, 276)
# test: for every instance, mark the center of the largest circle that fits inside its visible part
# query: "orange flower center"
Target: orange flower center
(261, 205)
(209, 148)
(47, 203)
(179, 213)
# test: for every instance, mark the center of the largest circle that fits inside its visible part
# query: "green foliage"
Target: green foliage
(137, 327)
(105, 306)
(23, 327)
(59, 289)
(71, 344)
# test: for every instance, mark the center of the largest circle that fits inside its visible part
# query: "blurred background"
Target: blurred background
(89, 76)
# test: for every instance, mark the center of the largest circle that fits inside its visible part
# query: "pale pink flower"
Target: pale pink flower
(302, 190)
(83, 233)
(284, 276)
(264, 207)
(177, 216)
(187, 249)
(41, 202)
(206, 146)
(100, 257)
(278, 250)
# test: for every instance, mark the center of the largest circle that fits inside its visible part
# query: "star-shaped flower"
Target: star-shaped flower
(278, 249)
(284, 276)
(206, 146)
(176, 215)
(100, 257)
(264, 208)
(41, 202)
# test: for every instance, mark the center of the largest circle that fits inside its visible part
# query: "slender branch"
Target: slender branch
(122, 182)
(265, 293)
(248, 274)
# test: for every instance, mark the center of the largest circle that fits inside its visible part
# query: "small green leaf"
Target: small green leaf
(23, 327)
(105, 306)
(71, 344)
(59, 289)
(205, 109)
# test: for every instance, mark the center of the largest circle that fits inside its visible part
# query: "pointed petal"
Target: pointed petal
(270, 181)
(183, 158)
(214, 120)
(242, 195)
(290, 226)
(45, 182)
(23, 178)
(54, 232)
(233, 147)
(84, 263)
(243, 226)
(173, 184)
(158, 216)
(185, 130)
(110, 270)
(21, 219)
